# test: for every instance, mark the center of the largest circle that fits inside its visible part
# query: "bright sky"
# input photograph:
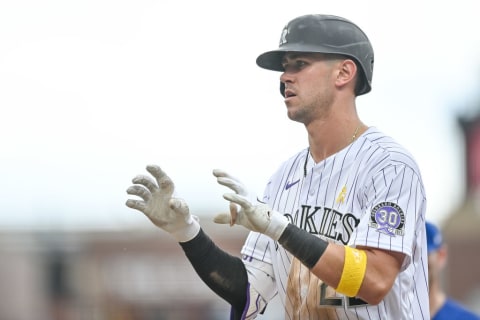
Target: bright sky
(93, 90)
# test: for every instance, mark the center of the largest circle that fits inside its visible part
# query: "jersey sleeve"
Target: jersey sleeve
(257, 246)
(261, 280)
(395, 202)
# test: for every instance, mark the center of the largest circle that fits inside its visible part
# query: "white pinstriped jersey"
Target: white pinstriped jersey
(371, 194)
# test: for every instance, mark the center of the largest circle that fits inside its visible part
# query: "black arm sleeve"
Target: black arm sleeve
(303, 245)
(223, 273)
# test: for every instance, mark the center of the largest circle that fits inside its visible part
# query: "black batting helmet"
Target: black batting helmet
(324, 34)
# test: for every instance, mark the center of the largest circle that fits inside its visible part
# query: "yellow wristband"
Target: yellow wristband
(353, 272)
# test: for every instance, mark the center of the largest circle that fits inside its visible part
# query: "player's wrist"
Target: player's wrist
(188, 231)
(276, 227)
(305, 246)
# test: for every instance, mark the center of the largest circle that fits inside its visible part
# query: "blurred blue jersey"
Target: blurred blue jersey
(452, 310)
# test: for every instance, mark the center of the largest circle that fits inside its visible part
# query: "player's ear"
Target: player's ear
(346, 73)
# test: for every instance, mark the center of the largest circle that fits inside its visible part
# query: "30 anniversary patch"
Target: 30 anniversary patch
(388, 218)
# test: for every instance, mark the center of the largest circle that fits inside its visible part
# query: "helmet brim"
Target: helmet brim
(272, 60)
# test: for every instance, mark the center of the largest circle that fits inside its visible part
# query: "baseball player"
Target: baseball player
(340, 230)
(442, 307)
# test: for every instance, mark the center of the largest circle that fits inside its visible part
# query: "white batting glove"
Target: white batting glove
(253, 216)
(168, 213)
(236, 185)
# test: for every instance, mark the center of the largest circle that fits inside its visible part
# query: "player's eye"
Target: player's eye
(300, 64)
(294, 66)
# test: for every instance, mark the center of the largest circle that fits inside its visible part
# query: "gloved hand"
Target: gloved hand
(255, 216)
(166, 212)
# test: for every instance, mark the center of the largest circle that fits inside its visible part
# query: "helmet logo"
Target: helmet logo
(283, 38)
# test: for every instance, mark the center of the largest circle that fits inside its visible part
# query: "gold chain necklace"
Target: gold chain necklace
(308, 151)
(355, 134)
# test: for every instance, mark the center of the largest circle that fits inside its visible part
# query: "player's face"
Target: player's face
(309, 85)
